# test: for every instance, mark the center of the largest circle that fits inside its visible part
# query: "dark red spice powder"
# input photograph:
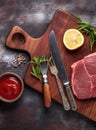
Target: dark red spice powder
(10, 87)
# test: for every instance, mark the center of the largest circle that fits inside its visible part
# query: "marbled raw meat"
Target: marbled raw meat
(83, 80)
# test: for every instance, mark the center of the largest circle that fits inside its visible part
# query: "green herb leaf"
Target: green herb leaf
(36, 69)
(89, 30)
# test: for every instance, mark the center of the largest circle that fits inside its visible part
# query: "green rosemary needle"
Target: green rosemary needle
(36, 69)
(89, 30)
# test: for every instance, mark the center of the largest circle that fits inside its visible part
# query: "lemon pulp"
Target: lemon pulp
(73, 39)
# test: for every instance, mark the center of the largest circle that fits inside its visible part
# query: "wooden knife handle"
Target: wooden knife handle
(47, 96)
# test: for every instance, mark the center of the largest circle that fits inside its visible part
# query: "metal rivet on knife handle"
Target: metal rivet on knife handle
(64, 99)
(70, 97)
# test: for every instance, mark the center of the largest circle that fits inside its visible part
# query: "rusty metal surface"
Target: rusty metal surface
(34, 16)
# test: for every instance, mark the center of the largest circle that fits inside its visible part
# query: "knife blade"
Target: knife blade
(61, 68)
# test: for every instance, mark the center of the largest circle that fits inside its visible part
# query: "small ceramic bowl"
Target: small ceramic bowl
(11, 87)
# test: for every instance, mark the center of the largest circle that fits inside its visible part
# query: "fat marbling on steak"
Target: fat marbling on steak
(83, 78)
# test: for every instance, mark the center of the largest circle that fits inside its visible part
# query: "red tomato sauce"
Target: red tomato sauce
(10, 87)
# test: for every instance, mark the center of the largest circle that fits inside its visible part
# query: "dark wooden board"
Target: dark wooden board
(18, 39)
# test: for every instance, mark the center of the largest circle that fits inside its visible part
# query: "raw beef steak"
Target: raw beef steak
(83, 79)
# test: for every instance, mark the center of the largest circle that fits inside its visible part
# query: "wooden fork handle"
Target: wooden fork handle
(47, 96)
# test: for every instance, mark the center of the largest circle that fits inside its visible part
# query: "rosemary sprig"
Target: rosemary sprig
(89, 30)
(36, 69)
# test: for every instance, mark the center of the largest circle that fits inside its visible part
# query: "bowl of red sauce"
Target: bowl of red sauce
(11, 87)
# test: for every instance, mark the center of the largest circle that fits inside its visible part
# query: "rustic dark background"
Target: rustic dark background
(34, 16)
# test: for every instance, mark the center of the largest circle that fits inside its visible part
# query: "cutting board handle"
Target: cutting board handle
(18, 39)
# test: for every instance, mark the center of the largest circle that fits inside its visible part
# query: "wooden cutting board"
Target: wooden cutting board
(62, 20)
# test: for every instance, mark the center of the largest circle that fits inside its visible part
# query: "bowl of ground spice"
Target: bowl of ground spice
(11, 87)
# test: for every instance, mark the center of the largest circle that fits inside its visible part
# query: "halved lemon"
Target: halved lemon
(73, 39)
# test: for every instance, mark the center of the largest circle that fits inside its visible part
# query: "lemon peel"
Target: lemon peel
(73, 39)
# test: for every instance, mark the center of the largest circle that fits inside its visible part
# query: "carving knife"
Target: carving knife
(61, 68)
